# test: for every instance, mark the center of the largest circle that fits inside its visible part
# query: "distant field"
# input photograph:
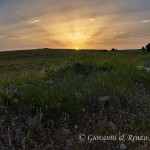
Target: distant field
(34, 61)
(49, 97)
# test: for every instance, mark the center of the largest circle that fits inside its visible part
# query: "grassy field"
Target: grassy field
(48, 98)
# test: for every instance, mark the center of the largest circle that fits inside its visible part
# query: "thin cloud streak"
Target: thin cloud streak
(34, 21)
(145, 21)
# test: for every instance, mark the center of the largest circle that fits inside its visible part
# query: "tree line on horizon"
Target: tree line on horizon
(146, 48)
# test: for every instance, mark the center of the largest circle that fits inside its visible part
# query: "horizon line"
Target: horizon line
(64, 49)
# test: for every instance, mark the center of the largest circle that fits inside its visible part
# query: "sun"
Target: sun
(77, 49)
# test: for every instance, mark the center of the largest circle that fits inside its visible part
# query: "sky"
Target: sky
(71, 24)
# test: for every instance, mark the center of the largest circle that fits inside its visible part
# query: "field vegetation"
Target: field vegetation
(49, 97)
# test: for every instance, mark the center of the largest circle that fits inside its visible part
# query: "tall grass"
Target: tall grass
(79, 92)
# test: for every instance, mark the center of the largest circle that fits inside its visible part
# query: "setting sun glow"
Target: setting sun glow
(77, 49)
(85, 24)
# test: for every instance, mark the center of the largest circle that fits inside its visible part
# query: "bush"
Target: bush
(104, 50)
(143, 48)
(113, 49)
(148, 47)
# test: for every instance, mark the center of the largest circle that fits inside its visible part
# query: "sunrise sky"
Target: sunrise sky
(83, 24)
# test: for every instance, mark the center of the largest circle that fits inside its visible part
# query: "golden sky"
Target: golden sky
(83, 24)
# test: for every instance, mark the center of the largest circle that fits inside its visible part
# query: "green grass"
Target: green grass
(57, 90)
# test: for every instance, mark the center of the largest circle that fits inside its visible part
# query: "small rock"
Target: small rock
(140, 67)
(27, 85)
(3, 108)
(32, 122)
(47, 82)
(122, 112)
(89, 91)
(104, 99)
(49, 146)
(65, 131)
(76, 127)
(76, 137)
(3, 148)
(68, 144)
(95, 106)
(133, 116)
(115, 116)
(1, 121)
(83, 110)
(123, 147)
(112, 125)
(111, 108)
(78, 96)
(147, 69)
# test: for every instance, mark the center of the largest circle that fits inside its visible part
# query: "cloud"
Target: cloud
(122, 32)
(34, 21)
(16, 38)
(92, 19)
(2, 36)
(145, 21)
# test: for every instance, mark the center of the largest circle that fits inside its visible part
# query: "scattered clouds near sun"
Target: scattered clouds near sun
(92, 19)
(2, 36)
(74, 24)
(145, 21)
(33, 21)
(16, 38)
